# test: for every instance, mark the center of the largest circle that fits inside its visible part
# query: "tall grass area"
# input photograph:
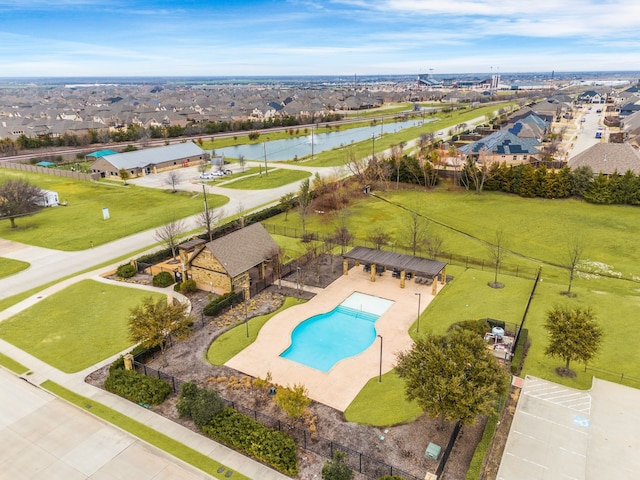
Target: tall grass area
(80, 224)
(76, 327)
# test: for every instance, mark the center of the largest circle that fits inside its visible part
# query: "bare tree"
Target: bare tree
(434, 245)
(241, 161)
(342, 235)
(575, 249)
(277, 262)
(202, 168)
(241, 215)
(358, 168)
(415, 230)
(379, 237)
(19, 198)
(173, 179)
(305, 196)
(169, 234)
(329, 243)
(209, 219)
(497, 252)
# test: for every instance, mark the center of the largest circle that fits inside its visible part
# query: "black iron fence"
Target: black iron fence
(467, 261)
(360, 462)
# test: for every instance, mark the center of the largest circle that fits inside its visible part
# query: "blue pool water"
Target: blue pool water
(323, 340)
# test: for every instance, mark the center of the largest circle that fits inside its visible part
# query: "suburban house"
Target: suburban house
(502, 147)
(148, 161)
(591, 96)
(608, 159)
(229, 263)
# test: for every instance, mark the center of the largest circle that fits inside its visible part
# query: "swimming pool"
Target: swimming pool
(323, 340)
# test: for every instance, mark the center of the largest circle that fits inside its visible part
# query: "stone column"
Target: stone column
(373, 272)
(444, 276)
(128, 362)
(345, 266)
(434, 286)
(402, 277)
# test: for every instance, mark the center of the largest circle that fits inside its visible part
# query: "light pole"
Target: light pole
(419, 298)
(298, 279)
(380, 374)
(246, 313)
(373, 146)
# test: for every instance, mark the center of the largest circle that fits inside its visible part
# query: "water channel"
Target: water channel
(298, 147)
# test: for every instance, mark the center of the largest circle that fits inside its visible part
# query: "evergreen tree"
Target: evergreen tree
(574, 334)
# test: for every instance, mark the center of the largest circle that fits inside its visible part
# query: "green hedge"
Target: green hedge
(126, 271)
(136, 387)
(162, 279)
(188, 286)
(221, 303)
(252, 438)
(156, 257)
(199, 404)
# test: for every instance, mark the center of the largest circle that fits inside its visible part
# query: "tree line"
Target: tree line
(132, 133)
(527, 180)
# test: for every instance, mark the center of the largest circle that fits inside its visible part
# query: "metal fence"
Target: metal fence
(360, 462)
(467, 261)
(51, 171)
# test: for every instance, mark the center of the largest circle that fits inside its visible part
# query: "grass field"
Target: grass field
(10, 267)
(76, 327)
(81, 224)
(276, 177)
(538, 233)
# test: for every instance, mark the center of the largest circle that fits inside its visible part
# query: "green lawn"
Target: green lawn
(276, 177)
(80, 224)
(144, 432)
(10, 267)
(77, 327)
(538, 233)
(11, 364)
(232, 342)
(382, 404)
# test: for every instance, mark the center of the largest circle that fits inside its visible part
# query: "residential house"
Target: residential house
(608, 158)
(502, 147)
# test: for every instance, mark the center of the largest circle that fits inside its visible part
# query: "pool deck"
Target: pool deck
(338, 387)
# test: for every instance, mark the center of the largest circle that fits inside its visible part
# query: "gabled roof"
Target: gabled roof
(608, 158)
(243, 249)
(502, 143)
(153, 156)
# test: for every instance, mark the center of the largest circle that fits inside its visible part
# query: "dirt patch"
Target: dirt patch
(402, 446)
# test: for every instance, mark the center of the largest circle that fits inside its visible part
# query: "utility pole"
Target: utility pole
(312, 143)
(264, 148)
(206, 212)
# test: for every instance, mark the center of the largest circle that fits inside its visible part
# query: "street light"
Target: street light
(419, 298)
(246, 313)
(380, 374)
(298, 279)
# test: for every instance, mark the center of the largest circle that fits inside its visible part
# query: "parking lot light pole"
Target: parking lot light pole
(419, 298)
(246, 314)
(380, 374)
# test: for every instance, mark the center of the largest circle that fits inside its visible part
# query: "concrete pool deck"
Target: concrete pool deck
(338, 387)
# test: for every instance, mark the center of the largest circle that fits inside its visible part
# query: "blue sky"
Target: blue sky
(300, 37)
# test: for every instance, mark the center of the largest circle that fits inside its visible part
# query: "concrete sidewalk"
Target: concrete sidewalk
(95, 459)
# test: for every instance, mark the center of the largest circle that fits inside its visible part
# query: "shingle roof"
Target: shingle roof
(608, 158)
(154, 156)
(243, 249)
(502, 143)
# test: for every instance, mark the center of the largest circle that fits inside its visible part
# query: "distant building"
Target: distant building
(151, 160)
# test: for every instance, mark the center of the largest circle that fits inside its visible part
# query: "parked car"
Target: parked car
(207, 176)
(221, 173)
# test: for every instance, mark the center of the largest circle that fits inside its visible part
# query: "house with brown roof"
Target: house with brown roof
(229, 263)
(608, 159)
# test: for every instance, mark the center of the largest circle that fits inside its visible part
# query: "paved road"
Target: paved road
(586, 132)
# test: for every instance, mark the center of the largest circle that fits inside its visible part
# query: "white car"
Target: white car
(207, 176)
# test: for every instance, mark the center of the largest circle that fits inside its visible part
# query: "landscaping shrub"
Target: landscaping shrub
(162, 279)
(156, 257)
(221, 303)
(477, 326)
(252, 438)
(136, 387)
(199, 404)
(126, 271)
(188, 286)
